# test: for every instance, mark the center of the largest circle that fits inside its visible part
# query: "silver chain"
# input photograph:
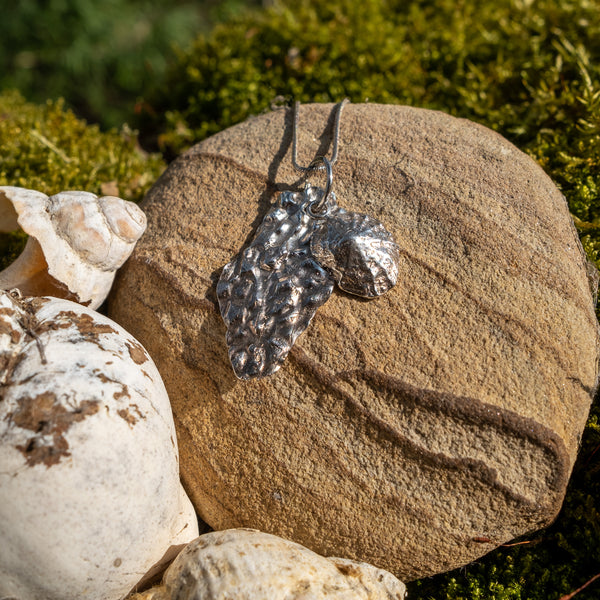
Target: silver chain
(314, 165)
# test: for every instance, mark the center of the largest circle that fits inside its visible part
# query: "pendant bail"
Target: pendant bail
(318, 208)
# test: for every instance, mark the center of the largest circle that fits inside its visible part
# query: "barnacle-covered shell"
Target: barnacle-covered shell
(77, 242)
(90, 497)
(359, 251)
(246, 564)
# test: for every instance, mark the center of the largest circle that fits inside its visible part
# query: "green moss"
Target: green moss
(11, 245)
(48, 149)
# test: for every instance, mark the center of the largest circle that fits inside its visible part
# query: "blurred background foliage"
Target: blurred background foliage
(183, 70)
(98, 54)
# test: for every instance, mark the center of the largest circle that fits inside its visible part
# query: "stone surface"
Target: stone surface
(416, 431)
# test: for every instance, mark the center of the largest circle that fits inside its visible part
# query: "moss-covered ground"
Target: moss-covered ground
(530, 69)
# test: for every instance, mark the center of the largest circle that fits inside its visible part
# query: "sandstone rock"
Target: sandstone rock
(416, 431)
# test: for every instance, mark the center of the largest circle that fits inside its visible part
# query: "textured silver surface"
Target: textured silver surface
(358, 251)
(269, 293)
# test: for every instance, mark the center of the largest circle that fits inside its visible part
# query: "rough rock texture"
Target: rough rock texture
(416, 431)
(246, 564)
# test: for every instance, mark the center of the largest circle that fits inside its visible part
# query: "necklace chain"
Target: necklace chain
(318, 163)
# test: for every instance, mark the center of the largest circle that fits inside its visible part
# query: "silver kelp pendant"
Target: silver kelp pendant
(269, 293)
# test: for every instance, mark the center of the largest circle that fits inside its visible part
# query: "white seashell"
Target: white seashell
(77, 242)
(90, 497)
(246, 564)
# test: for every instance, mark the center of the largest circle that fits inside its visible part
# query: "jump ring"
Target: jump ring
(316, 208)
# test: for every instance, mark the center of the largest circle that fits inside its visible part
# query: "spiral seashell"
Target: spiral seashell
(246, 564)
(359, 251)
(76, 242)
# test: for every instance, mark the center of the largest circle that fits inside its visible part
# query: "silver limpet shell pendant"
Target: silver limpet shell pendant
(358, 251)
(269, 293)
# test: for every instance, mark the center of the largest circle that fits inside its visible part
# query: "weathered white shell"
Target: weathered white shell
(77, 242)
(90, 497)
(246, 564)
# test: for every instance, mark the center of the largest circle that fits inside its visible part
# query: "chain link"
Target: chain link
(314, 165)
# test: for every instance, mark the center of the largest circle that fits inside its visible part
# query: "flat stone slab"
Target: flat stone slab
(416, 431)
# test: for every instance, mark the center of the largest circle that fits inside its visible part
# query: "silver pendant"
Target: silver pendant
(270, 292)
